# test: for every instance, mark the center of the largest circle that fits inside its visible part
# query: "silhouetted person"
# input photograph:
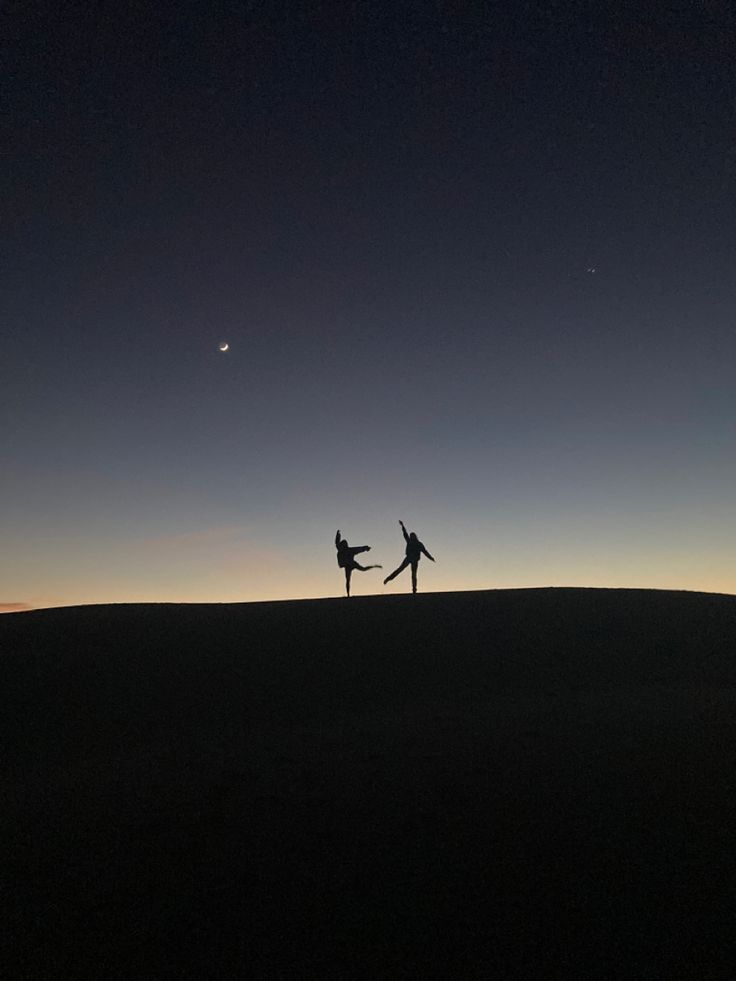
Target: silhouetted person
(414, 549)
(346, 558)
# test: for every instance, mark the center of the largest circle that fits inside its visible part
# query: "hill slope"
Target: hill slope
(467, 785)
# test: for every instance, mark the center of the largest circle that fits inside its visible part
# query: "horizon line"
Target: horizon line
(27, 608)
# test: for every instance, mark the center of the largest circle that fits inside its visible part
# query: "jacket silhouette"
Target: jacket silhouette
(414, 551)
(346, 558)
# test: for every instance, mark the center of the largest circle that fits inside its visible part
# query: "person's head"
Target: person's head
(343, 544)
(413, 535)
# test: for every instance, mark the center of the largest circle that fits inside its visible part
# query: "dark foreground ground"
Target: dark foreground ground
(510, 784)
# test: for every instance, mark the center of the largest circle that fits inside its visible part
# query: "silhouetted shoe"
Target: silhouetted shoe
(385, 580)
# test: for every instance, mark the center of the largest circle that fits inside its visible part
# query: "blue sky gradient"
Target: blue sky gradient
(475, 272)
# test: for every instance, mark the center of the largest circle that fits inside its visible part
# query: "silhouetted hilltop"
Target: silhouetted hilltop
(511, 783)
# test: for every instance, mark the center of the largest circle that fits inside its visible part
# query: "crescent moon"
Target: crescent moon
(224, 346)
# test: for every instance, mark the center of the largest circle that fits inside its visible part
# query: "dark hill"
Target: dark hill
(506, 784)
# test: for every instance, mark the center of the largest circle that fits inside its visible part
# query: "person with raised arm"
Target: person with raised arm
(414, 551)
(346, 558)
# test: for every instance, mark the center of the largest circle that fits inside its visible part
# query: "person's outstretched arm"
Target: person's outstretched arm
(337, 539)
(406, 537)
(360, 548)
(430, 557)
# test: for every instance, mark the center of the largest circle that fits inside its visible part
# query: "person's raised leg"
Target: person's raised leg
(395, 573)
(365, 568)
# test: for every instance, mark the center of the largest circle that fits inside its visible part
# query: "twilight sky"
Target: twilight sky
(476, 265)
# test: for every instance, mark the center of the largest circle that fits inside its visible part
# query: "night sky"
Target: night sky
(476, 265)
